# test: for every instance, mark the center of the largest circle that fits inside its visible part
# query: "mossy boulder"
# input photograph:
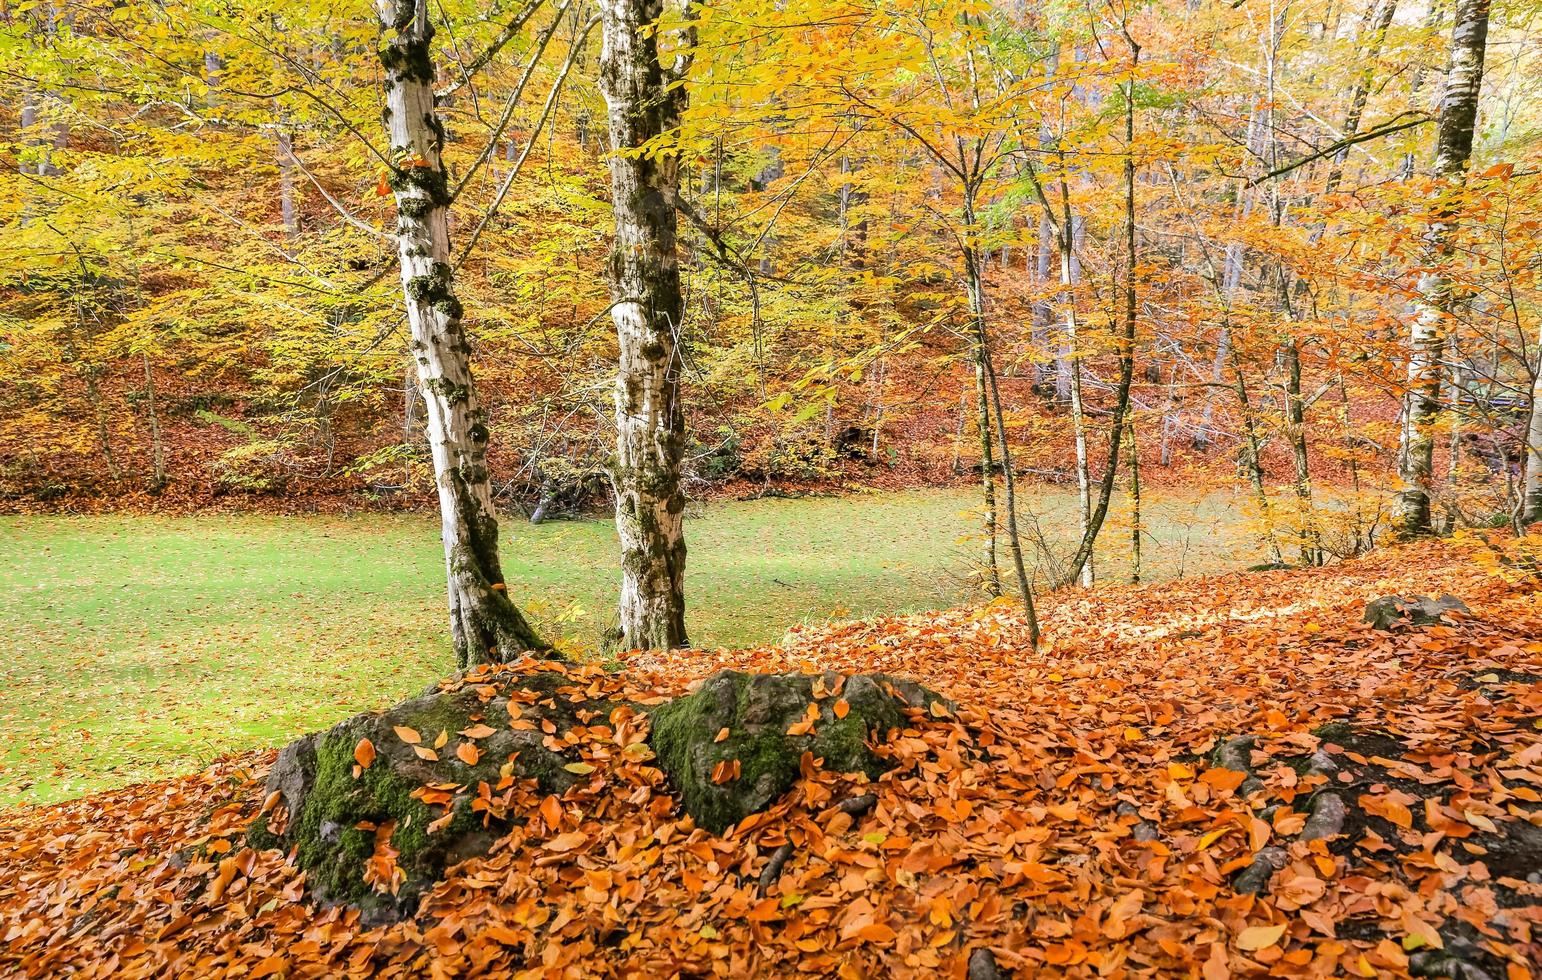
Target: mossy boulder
(1393, 612)
(375, 825)
(331, 809)
(834, 716)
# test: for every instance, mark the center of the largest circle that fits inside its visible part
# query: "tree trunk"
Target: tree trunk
(99, 407)
(1531, 501)
(1251, 451)
(485, 625)
(157, 449)
(286, 200)
(985, 378)
(645, 101)
(1014, 542)
(1295, 424)
(1093, 516)
(1073, 373)
(1135, 524)
(1435, 304)
(1043, 309)
(991, 572)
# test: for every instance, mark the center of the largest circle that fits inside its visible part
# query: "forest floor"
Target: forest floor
(1072, 818)
(138, 647)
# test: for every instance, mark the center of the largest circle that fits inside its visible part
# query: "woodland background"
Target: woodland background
(197, 306)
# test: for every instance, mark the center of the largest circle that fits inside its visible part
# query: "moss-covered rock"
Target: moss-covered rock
(1394, 612)
(330, 806)
(758, 710)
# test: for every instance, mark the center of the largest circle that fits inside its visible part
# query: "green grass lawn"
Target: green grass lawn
(138, 647)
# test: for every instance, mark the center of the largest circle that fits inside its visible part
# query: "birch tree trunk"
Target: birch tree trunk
(485, 625)
(286, 200)
(990, 571)
(1435, 305)
(1069, 274)
(1093, 515)
(644, 102)
(1531, 500)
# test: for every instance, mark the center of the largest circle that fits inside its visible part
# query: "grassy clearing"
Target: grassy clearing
(137, 647)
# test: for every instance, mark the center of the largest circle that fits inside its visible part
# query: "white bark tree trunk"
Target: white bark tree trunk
(485, 625)
(286, 199)
(1435, 305)
(1531, 505)
(1070, 274)
(647, 309)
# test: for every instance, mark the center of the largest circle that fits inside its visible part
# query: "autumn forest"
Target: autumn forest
(829, 488)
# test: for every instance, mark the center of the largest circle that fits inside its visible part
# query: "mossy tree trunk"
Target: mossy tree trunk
(644, 100)
(485, 624)
(1436, 302)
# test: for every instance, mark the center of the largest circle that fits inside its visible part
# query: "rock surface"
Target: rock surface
(1391, 612)
(377, 807)
(420, 795)
(771, 720)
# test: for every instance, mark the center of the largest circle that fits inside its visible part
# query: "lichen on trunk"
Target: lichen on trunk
(485, 625)
(645, 100)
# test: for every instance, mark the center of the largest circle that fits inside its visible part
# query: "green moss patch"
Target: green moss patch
(758, 710)
(334, 805)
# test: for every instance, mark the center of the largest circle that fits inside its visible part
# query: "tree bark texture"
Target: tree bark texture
(644, 102)
(485, 625)
(1436, 304)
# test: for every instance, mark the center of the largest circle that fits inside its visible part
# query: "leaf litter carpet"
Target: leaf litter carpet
(1072, 818)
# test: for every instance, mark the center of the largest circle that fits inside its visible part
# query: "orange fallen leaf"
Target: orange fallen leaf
(567, 842)
(1260, 937)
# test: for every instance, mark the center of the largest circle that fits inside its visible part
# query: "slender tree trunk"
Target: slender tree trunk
(1093, 517)
(645, 100)
(286, 199)
(1169, 420)
(1014, 542)
(1136, 528)
(99, 407)
(991, 571)
(1073, 373)
(1251, 451)
(1295, 424)
(1531, 500)
(879, 377)
(987, 371)
(1436, 303)
(157, 450)
(1043, 309)
(485, 625)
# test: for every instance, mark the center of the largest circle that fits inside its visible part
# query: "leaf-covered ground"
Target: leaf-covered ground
(1071, 819)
